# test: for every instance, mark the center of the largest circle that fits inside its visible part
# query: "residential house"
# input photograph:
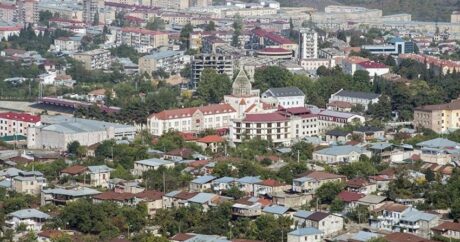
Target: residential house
(223, 184)
(328, 223)
(355, 98)
(29, 182)
(210, 142)
(247, 184)
(309, 234)
(269, 187)
(99, 175)
(350, 199)
(370, 133)
(313, 180)
(75, 170)
(60, 196)
(341, 154)
(277, 211)
(372, 201)
(338, 136)
(153, 200)
(142, 166)
(418, 222)
(202, 183)
(448, 230)
(438, 150)
(176, 199)
(361, 185)
(33, 219)
(247, 207)
(120, 198)
(388, 216)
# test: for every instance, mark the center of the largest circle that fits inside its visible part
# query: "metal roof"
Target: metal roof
(249, 179)
(203, 179)
(414, 215)
(29, 213)
(79, 192)
(355, 94)
(154, 162)
(99, 169)
(303, 214)
(202, 197)
(341, 150)
(225, 179)
(284, 92)
(305, 231)
(438, 143)
(276, 209)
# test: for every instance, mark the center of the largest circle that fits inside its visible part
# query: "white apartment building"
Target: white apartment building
(268, 126)
(314, 64)
(17, 123)
(143, 40)
(70, 44)
(355, 98)
(196, 119)
(308, 44)
(286, 97)
(328, 119)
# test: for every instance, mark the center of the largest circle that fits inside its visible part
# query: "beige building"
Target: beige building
(215, 116)
(143, 40)
(7, 12)
(440, 117)
(169, 61)
(94, 59)
(29, 183)
(174, 4)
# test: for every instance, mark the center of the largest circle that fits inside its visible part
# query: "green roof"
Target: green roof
(13, 138)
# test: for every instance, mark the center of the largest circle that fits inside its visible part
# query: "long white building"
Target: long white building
(56, 132)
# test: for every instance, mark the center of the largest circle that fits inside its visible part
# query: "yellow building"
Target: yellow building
(440, 117)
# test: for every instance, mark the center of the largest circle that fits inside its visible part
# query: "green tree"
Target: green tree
(302, 150)
(212, 86)
(185, 34)
(381, 110)
(327, 192)
(237, 28)
(44, 17)
(337, 205)
(271, 76)
(96, 18)
(157, 24)
(73, 147)
(211, 26)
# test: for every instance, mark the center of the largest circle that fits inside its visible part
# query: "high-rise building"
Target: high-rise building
(222, 64)
(308, 46)
(90, 9)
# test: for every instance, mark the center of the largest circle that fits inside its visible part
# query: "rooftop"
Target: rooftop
(305, 231)
(29, 213)
(355, 94)
(24, 117)
(341, 150)
(154, 162)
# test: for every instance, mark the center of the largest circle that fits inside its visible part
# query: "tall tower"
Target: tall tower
(308, 46)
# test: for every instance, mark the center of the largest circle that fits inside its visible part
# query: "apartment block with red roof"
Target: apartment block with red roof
(191, 120)
(17, 123)
(143, 40)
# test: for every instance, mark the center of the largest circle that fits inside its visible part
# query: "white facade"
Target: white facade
(314, 64)
(150, 164)
(308, 44)
(17, 123)
(355, 98)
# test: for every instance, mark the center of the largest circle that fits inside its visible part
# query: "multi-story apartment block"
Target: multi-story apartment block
(31, 14)
(274, 127)
(222, 64)
(261, 38)
(90, 9)
(7, 12)
(17, 123)
(355, 98)
(70, 44)
(308, 44)
(94, 59)
(169, 61)
(215, 116)
(143, 40)
(171, 4)
(439, 118)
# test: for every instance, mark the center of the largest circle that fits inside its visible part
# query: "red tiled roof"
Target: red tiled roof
(340, 104)
(448, 226)
(393, 207)
(24, 117)
(318, 216)
(265, 117)
(211, 139)
(74, 170)
(150, 195)
(272, 36)
(357, 182)
(141, 31)
(188, 112)
(372, 65)
(271, 183)
(182, 152)
(347, 196)
(185, 195)
(114, 196)
(404, 237)
(182, 237)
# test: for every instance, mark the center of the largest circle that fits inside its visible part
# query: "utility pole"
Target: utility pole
(298, 156)
(164, 183)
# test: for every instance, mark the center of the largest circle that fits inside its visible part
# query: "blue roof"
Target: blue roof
(380, 146)
(207, 238)
(304, 179)
(225, 179)
(364, 236)
(172, 194)
(276, 209)
(203, 179)
(396, 40)
(10, 172)
(29, 213)
(202, 197)
(5, 183)
(303, 214)
(305, 231)
(341, 150)
(249, 179)
(99, 169)
(154, 162)
(162, 54)
(438, 143)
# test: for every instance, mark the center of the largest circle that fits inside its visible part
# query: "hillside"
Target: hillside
(424, 10)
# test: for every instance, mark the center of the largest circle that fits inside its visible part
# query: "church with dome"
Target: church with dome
(244, 99)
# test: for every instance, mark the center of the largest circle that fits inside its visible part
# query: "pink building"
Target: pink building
(17, 123)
